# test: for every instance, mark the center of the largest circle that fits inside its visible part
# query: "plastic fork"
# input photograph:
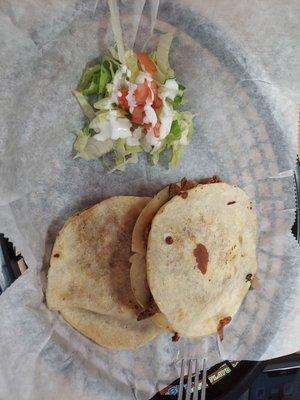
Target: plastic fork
(193, 369)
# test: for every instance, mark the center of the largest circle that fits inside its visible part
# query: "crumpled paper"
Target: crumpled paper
(245, 133)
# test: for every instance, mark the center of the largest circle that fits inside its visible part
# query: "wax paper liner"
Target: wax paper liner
(245, 132)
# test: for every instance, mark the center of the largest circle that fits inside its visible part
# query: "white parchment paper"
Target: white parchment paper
(246, 124)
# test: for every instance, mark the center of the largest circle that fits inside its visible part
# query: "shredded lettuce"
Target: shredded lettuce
(175, 132)
(113, 52)
(177, 150)
(156, 152)
(111, 63)
(117, 30)
(88, 148)
(103, 104)
(87, 77)
(85, 105)
(95, 79)
(179, 98)
(180, 135)
(164, 71)
(119, 152)
(124, 154)
(145, 145)
(104, 78)
(185, 119)
(98, 120)
(131, 63)
(130, 150)
(133, 159)
(97, 82)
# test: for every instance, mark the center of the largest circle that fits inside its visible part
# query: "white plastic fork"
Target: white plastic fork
(196, 372)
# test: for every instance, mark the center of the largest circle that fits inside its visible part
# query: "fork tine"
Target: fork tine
(181, 381)
(203, 388)
(196, 381)
(189, 381)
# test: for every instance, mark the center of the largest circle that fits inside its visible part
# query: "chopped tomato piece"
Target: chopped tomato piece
(147, 63)
(141, 93)
(157, 102)
(147, 126)
(153, 87)
(138, 115)
(156, 129)
(123, 103)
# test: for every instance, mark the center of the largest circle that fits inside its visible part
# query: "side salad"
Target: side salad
(132, 102)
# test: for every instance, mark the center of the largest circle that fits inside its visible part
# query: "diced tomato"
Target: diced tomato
(153, 86)
(123, 103)
(141, 93)
(147, 63)
(147, 126)
(156, 129)
(138, 115)
(157, 102)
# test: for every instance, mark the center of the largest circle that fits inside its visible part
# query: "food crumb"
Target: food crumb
(169, 240)
(175, 337)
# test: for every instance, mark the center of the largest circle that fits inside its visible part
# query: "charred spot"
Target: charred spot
(56, 255)
(175, 337)
(220, 329)
(150, 311)
(184, 195)
(231, 202)
(248, 277)
(144, 315)
(169, 240)
(201, 254)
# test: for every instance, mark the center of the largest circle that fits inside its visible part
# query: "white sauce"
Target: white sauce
(169, 89)
(130, 97)
(142, 76)
(150, 115)
(166, 118)
(112, 127)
